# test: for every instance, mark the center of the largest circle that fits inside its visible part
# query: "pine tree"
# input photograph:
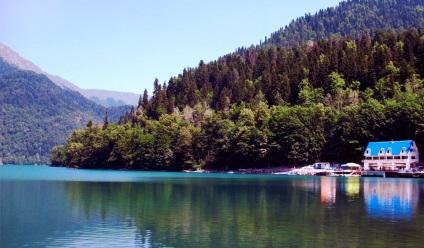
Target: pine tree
(140, 102)
(145, 101)
(106, 122)
(89, 124)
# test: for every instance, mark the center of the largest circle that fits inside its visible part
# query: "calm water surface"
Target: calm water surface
(57, 207)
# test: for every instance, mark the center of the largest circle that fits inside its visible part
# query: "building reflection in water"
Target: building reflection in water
(328, 190)
(349, 186)
(383, 198)
(391, 198)
(352, 187)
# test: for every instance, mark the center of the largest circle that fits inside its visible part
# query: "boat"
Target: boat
(325, 169)
(348, 170)
(289, 173)
(309, 170)
(195, 171)
(345, 174)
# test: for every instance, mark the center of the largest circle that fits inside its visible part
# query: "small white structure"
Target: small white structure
(322, 165)
(391, 155)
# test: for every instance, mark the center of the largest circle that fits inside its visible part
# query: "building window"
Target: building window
(412, 157)
(389, 157)
(397, 157)
(404, 157)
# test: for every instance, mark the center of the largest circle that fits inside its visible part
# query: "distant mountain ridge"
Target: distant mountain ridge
(110, 98)
(103, 97)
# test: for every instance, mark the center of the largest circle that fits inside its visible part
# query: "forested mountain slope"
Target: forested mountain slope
(350, 19)
(37, 114)
(320, 89)
(319, 101)
(281, 73)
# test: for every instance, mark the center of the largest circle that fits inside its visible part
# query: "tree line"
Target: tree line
(319, 101)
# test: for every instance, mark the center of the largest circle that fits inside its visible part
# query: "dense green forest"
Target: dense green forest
(350, 19)
(37, 115)
(318, 101)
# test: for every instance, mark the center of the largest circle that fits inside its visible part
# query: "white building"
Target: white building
(391, 155)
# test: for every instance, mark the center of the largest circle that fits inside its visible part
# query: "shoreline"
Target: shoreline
(265, 171)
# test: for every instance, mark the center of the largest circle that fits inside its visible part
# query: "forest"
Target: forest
(349, 19)
(268, 106)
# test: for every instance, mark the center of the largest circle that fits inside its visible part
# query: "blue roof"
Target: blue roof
(394, 147)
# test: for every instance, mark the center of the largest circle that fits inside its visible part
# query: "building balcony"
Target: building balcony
(392, 159)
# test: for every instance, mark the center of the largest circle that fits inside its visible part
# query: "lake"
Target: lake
(57, 207)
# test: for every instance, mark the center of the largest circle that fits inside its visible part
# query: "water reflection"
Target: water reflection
(352, 187)
(178, 214)
(328, 190)
(384, 198)
(242, 212)
(212, 211)
(391, 198)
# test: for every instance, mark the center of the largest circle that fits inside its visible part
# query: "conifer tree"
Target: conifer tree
(145, 100)
(89, 124)
(140, 102)
(106, 122)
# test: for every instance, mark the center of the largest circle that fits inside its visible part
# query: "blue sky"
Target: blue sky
(124, 45)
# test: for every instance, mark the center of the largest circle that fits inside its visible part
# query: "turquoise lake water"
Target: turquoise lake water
(57, 207)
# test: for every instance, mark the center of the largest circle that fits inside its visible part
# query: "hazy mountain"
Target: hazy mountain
(110, 98)
(103, 97)
(37, 114)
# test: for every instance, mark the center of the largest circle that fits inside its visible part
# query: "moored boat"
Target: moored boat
(342, 173)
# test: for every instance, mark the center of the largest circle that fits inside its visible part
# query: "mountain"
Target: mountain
(377, 70)
(37, 114)
(277, 66)
(103, 97)
(295, 101)
(350, 19)
(109, 98)
(321, 101)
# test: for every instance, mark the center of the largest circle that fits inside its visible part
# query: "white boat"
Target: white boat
(344, 173)
(354, 174)
(195, 171)
(290, 173)
(348, 170)
(309, 170)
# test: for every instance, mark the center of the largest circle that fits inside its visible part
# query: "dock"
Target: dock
(403, 174)
(373, 174)
(397, 174)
